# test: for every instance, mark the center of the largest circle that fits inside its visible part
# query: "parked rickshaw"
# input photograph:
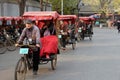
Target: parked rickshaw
(7, 34)
(49, 44)
(67, 30)
(85, 27)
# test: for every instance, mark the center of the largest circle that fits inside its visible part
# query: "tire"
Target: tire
(3, 48)
(83, 38)
(73, 46)
(90, 37)
(21, 69)
(54, 62)
(11, 45)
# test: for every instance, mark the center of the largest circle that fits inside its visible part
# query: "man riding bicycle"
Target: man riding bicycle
(32, 32)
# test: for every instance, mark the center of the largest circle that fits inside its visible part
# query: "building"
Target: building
(11, 8)
(88, 10)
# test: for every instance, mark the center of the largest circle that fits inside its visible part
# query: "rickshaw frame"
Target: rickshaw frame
(43, 16)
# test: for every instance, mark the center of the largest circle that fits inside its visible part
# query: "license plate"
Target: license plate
(79, 30)
(59, 36)
(24, 50)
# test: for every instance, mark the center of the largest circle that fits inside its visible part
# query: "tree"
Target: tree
(56, 5)
(69, 6)
(116, 5)
(105, 5)
(22, 4)
(41, 5)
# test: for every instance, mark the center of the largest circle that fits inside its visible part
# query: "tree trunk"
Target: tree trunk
(41, 5)
(22, 4)
(46, 5)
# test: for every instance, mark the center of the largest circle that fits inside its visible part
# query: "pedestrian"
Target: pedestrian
(118, 25)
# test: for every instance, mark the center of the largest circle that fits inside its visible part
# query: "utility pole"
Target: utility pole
(61, 7)
(79, 6)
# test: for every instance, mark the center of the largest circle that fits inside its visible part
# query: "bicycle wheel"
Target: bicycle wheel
(2, 48)
(54, 62)
(20, 70)
(11, 45)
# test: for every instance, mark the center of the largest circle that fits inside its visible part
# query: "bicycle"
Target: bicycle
(6, 43)
(25, 62)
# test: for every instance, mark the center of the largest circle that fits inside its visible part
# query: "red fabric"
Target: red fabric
(49, 45)
(40, 24)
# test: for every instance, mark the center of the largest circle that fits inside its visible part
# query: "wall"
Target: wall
(12, 9)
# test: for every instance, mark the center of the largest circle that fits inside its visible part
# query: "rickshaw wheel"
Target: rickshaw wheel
(20, 70)
(90, 37)
(2, 48)
(54, 62)
(11, 45)
(82, 37)
(73, 46)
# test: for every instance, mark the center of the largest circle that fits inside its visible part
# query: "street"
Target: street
(98, 59)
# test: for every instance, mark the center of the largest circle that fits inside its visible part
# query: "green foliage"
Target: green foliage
(69, 6)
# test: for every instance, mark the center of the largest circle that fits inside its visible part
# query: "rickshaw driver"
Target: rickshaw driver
(71, 30)
(63, 31)
(32, 32)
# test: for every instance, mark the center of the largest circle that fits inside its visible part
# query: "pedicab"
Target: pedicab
(87, 29)
(6, 33)
(49, 49)
(67, 30)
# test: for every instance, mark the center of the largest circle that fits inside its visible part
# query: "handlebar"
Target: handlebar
(22, 45)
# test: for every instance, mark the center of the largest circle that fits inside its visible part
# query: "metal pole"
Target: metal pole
(61, 7)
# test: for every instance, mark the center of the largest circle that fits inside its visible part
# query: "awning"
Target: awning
(45, 15)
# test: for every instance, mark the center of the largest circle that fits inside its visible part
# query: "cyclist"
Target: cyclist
(32, 32)
(71, 30)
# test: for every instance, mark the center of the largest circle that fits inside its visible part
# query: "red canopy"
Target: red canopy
(66, 17)
(86, 18)
(45, 15)
(1, 18)
(9, 18)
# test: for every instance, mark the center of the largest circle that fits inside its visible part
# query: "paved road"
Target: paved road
(98, 59)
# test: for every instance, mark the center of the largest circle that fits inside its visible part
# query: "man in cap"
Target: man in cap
(32, 32)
